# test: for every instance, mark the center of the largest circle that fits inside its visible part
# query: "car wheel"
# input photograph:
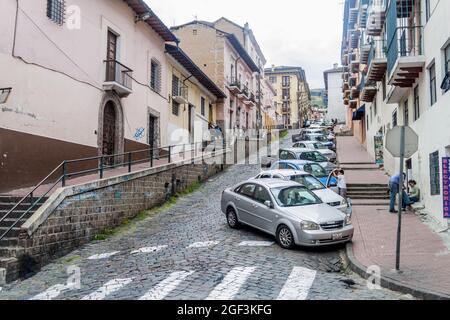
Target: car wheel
(285, 238)
(232, 219)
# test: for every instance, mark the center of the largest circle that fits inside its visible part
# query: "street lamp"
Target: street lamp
(4, 94)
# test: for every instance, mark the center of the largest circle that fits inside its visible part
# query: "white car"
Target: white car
(318, 146)
(328, 196)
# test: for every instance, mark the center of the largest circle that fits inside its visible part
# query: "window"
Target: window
(155, 76)
(384, 88)
(247, 190)
(175, 86)
(435, 174)
(427, 10)
(446, 83)
(273, 79)
(406, 113)
(286, 94)
(375, 107)
(368, 125)
(416, 103)
(56, 10)
(286, 155)
(203, 106)
(433, 92)
(286, 81)
(175, 108)
(394, 119)
(261, 195)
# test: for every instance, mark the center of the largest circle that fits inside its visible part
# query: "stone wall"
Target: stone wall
(73, 216)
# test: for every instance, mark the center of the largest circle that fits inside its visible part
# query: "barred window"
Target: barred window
(175, 86)
(203, 106)
(155, 75)
(175, 108)
(56, 11)
(435, 176)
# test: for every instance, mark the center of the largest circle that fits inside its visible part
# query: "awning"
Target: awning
(360, 113)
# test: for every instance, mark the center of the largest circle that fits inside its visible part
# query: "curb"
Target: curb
(388, 282)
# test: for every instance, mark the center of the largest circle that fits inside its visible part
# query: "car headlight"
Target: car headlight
(348, 220)
(344, 202)
(309, 225)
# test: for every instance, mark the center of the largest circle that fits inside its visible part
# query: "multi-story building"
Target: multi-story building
(404, 57)
(192, 99)
(226, 61)
(333, 94)
(268, 106)
(292, 94)
(88, 78)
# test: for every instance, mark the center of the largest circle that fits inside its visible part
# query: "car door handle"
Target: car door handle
(255, 206)
(237, 199)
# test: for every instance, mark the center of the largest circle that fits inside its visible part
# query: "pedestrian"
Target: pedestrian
(342, 184)
(414, 192)
(394, 188)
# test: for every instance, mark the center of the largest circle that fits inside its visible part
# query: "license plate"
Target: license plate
(337, 236)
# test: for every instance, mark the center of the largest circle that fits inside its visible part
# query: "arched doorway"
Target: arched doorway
(110, 127)
(109, 130)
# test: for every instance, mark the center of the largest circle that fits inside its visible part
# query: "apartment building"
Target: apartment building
(333, 94)
(87, 78)
(192, 99)
(293, 97)
(404, 56)
(223, 58)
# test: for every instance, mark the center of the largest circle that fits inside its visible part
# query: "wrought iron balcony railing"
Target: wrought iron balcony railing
(117, 72)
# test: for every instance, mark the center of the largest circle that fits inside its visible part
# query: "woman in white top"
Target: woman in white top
(342, 185)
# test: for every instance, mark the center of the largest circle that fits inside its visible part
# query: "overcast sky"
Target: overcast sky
(304, 33)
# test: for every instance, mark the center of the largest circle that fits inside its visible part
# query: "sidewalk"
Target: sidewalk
(425, 259)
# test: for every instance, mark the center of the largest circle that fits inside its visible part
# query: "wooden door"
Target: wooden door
(111, 56)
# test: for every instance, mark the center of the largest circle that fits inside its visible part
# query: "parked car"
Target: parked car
(290, 212)
(312, 168)
(318, 146)
(316, 137)
(313, 184)
(307, 155)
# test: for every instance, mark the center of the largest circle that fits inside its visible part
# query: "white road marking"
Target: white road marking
(148, 249)
(108, 288)
(165, 287)
(256, 243)
(52, 292)
(298, 284)
(103, 255)
(205, 244)
(231, 284)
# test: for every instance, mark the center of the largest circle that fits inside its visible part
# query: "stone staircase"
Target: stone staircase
(368, 194)
(9, 245)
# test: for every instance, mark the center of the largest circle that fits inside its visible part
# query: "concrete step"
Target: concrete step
(369, 202)
(13, 233)
(9, 242)
(16, 199)
(365, 185)
(23, 206)
(16, 214)
(9, 222)
(369, 198)
(369, 189)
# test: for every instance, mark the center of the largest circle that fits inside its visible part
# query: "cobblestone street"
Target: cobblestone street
(188, 252)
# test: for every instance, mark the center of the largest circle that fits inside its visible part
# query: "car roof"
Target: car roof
(297, 150)
(296, 162)
(274, 183)
(286, 172)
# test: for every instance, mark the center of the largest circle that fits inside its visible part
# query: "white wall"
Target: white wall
(336, 108)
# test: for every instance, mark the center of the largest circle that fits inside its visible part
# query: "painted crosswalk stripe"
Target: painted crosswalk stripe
(256, 243)
(103, 255)
(148, 249)
(165, 287)
(107, 289)
(205, 244)
(52, 292)
(298, 284)
(231, 284)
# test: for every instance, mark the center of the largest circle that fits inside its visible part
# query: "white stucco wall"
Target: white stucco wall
(336, 108)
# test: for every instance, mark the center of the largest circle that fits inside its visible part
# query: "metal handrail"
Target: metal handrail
(100, 169)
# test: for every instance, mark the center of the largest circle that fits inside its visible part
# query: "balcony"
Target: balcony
(285, 110)
(353, 16)
(377, 61)
(354, 38)
(180, 93)
(353, 104)
(354, 93)
(364, 49)
(119, 78)
(244, 93)
(376, 18)
(234, 85)
(368, 90)
(250, 100)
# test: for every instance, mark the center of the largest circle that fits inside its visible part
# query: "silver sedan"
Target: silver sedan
(286, 210)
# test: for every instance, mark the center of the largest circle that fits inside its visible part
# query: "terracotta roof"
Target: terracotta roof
(194, 70)
(140, 7)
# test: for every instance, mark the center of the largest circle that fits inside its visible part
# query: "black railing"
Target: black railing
(117, 72)
(61, 174)
(234, 83)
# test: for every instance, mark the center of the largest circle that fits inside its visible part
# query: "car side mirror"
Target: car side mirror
(269, 204)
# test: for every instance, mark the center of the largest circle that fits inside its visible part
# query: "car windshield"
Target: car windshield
(308, 181)
(319, 146)
(322, 138)
(319, 157)
(317, 171)
(294, 197)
